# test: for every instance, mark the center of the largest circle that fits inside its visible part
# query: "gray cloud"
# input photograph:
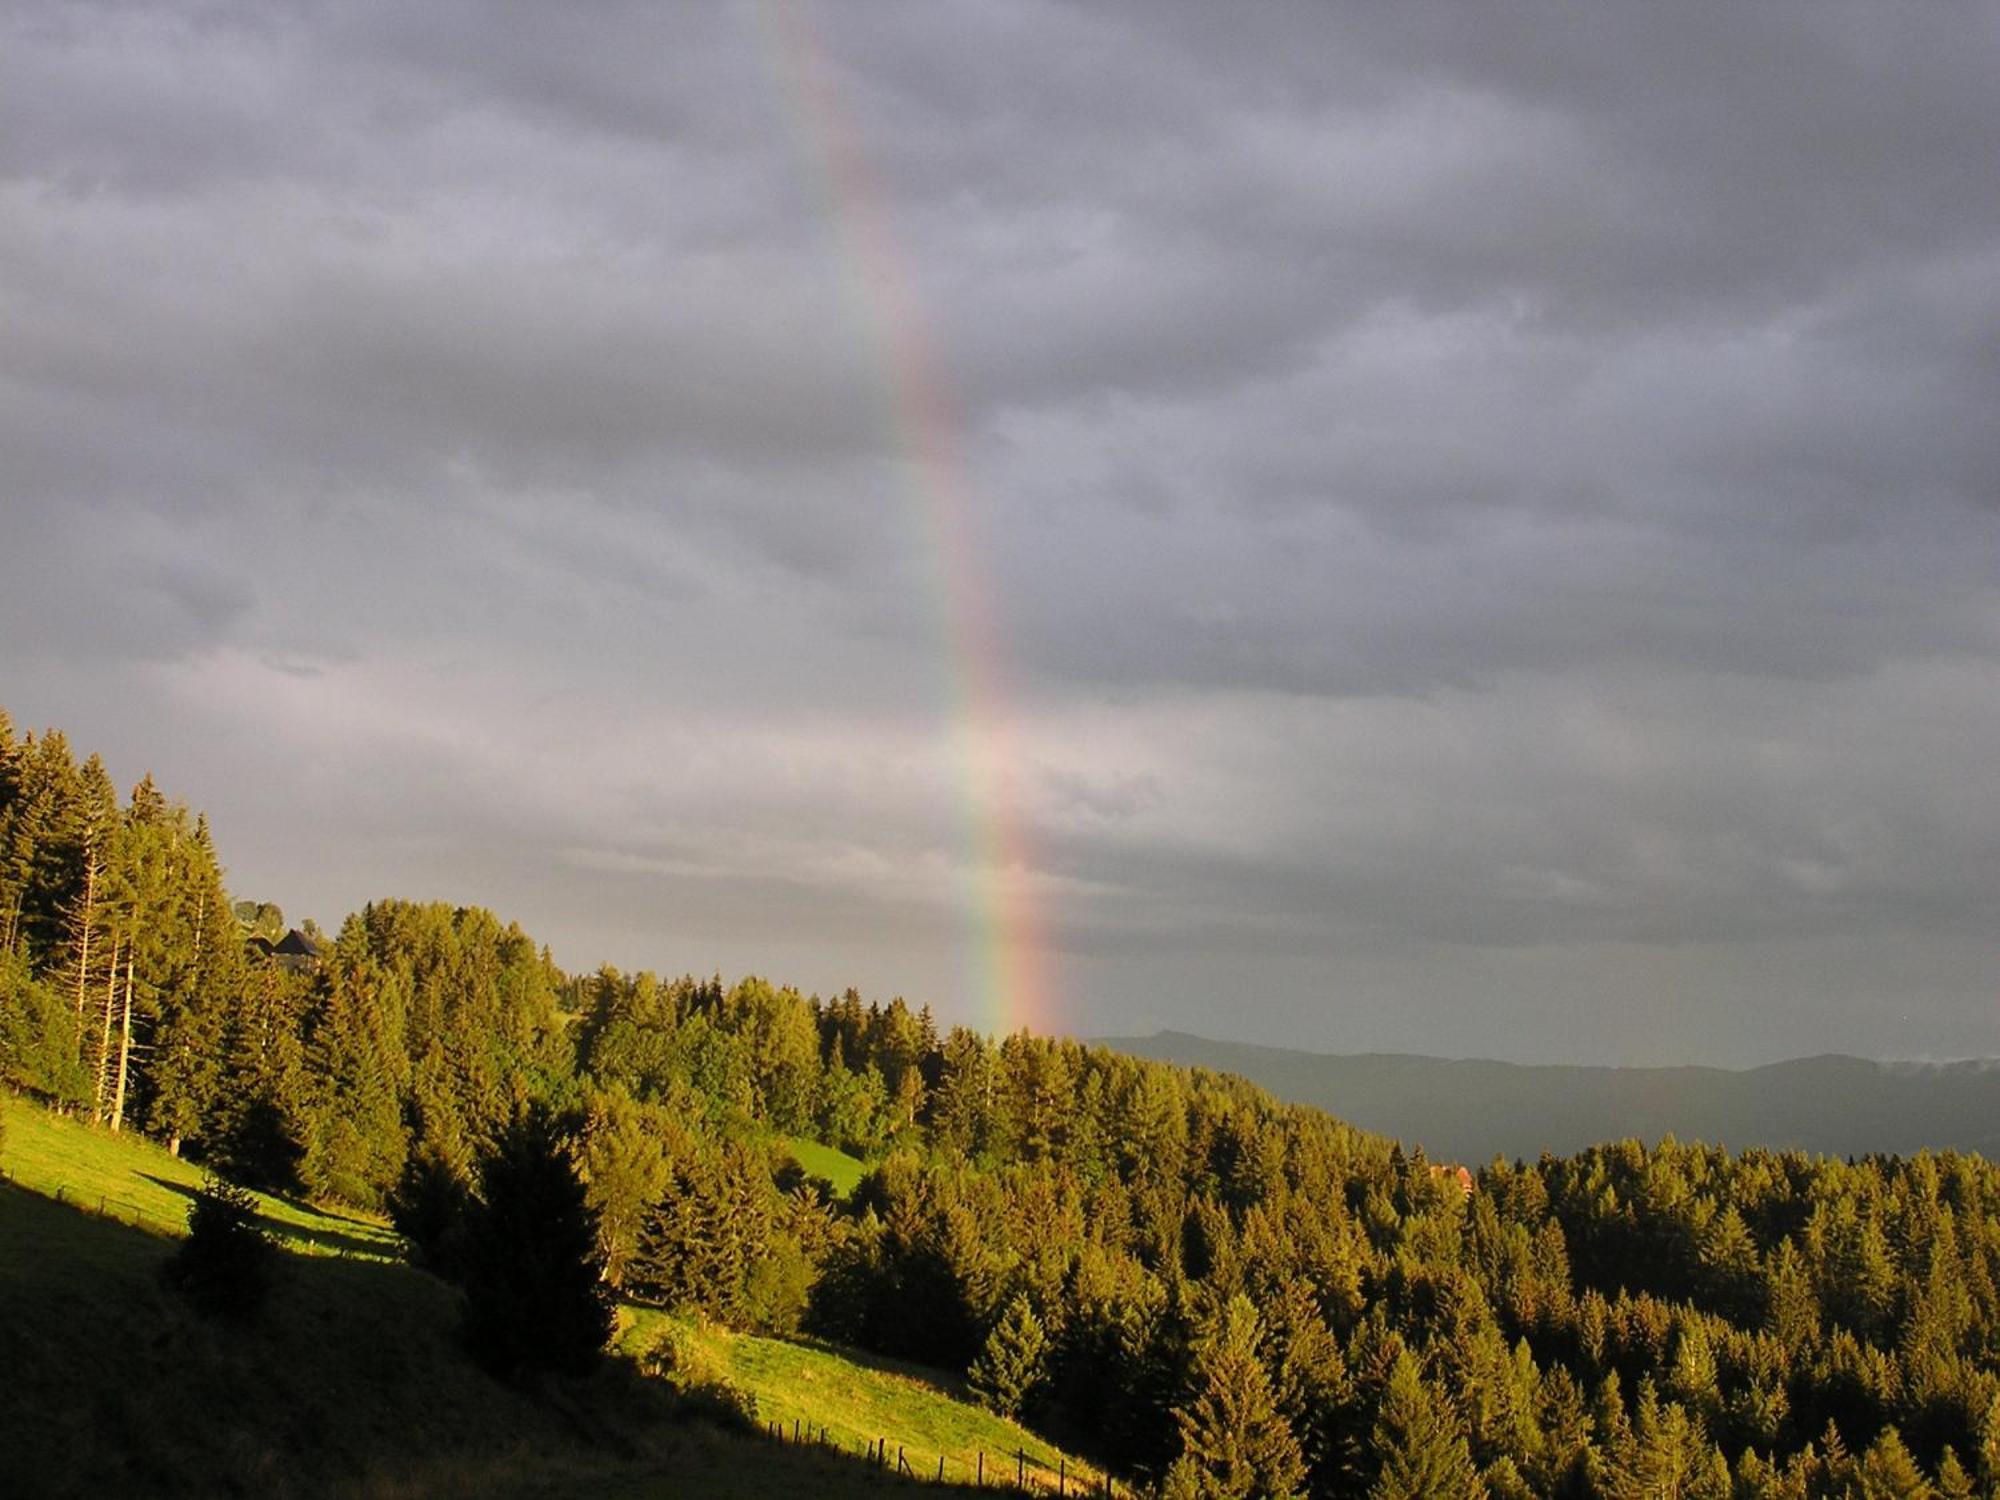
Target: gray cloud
(1489, 518)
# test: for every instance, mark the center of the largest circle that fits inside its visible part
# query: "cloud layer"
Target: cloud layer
(1493, 520)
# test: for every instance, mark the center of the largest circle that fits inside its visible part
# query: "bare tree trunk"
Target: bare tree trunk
(124, 1050)
(83, 935)
(101, 1075)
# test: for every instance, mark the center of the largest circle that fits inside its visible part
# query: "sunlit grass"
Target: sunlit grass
(837, 1167)
(859, 1400)
(131, 1179)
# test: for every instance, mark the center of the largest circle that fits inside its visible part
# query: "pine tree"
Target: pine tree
(1888, 1472)
(535, 1295)
(626, 1168)
(201, 980)
(1315, 1389)
(1692, 1379)
(1953, 1482)
(1729, 1265)
(1669, 1455)
(1989, 1446)
(1420, 1453)
(1566, 1434)
(429, 1207)
(1010, 1367)
(257, 1134)
(353, 1136)
(1234, 1440)
(37, 1039)
(225, 1265)
(87, 913)
(1793, 1311)
(40, 846)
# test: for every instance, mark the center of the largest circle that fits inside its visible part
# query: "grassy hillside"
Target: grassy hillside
(859, 1398)
(134, 1181)
(837, 1167)
(352, 1381)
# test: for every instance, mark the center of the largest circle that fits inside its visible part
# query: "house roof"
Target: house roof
(296, 944)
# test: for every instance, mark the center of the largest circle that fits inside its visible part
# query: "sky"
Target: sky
(1464, 530)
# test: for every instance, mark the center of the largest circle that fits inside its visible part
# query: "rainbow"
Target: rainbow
(1007, 970)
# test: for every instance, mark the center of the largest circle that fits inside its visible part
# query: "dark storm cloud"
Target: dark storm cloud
(1492, 513)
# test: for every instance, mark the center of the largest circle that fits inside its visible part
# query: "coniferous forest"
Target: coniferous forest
(1212, 1293)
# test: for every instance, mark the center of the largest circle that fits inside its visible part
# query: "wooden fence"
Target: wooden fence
(1002, 1471)
(118, 1210)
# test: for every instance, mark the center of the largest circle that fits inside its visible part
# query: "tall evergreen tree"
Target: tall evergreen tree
(1888, 1472)
(535, 1294)
(1010, 1367)
(1235, 1442)
(1420, 1452)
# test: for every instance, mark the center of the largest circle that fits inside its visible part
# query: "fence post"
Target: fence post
(982, 1469)
(940, 1478)
(901, 1467)
(1062, 1474)
(1020, 1470)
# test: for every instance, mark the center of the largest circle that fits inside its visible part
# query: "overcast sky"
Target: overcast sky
(1491, 514)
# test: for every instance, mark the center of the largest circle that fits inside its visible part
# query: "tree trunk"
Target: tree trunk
(85, 920)
(124, 1050)
(83, 937)
(101, 1075)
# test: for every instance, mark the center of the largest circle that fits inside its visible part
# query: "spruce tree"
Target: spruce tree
(1989, 1446)
(1953, 1482)
(1420, 1452)
(1888, 1472)
(429, 1207)
(535, 1295)
(1009, 1368)
(1235, 1443)
(225, 1265)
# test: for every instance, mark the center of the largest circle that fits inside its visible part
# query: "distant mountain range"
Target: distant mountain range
(1472, 1111)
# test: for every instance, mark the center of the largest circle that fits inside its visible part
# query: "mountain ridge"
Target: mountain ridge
(1474, 1109)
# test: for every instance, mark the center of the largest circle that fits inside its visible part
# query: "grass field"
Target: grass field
(859, 1399)
(132, 1180)
(837, 1167)
(352, 1381)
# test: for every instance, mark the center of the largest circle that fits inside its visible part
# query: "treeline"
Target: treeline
(1213, 1292)
(119, 957)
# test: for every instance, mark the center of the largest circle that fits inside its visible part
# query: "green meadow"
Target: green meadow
(858, 1400)
(837, 1167)
(133, 1181)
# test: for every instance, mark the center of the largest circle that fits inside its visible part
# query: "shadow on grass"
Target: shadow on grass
(351, 1381)
(328, 1241)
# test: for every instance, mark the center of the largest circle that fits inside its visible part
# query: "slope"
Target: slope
(352, 1381)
